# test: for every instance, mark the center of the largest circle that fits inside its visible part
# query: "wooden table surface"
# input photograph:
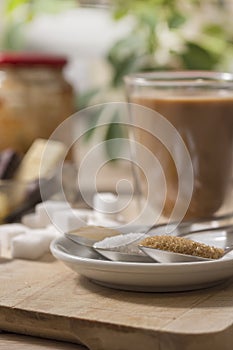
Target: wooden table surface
(10, 341)
(47, 300)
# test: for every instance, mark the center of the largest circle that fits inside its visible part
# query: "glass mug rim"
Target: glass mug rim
(187, 78)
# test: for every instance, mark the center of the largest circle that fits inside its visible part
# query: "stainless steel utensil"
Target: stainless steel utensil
(167, 257)
(88, 235)
(115, 255)
(183, 229)
(87, 242)
(157, 255)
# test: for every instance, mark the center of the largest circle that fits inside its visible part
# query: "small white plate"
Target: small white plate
(145, 277)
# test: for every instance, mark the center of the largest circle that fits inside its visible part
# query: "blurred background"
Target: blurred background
(104, 40)
(96, 44)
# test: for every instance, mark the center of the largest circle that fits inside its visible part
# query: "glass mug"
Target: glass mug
(199, 105)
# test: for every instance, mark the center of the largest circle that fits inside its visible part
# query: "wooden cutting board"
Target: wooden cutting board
(46, 299)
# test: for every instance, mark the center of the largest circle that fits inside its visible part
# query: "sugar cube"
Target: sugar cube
(28, 246)
(69, 219)
(9, 231)
(45, 211)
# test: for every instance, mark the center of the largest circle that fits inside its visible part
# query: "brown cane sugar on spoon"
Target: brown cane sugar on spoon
(182, 246)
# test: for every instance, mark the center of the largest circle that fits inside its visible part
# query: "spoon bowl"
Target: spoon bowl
(167, 257)
(87, 242)
(115, 255)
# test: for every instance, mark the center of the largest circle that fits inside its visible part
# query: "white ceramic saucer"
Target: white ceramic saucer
(146, 277)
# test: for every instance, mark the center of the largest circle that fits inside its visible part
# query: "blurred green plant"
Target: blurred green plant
(173, 34)
(165, 35)
(18, 12)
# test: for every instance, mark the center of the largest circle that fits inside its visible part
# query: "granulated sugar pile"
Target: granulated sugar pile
(124, 243)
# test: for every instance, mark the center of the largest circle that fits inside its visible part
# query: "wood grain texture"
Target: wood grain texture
(20, 342)
(46, 299)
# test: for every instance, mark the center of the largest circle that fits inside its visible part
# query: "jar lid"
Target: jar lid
(28, 58)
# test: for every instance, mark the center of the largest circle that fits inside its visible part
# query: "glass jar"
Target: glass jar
(34, 98)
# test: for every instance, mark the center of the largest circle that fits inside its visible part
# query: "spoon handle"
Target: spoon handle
(228, 228)
(187, 228)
